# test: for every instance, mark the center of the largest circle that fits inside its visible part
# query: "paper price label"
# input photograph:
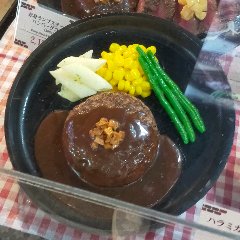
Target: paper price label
(219, 218)
(36, 23)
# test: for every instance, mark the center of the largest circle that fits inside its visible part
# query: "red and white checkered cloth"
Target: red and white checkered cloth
(17, 211)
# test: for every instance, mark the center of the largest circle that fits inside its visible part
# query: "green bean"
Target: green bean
(171, 98)
(186, 104)
(193, 113)
(161, 98)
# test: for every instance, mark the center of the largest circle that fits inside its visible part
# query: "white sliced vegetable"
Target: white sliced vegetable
(91, 63)
(66, 76)
(87, 54)
(67, 94)
(88, 77)
(70, 82)
(67, 60)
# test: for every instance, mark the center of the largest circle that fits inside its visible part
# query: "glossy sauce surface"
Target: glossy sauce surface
(106, 167)
(83, 8)
(147, 191)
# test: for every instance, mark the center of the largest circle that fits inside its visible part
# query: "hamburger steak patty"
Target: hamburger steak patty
(126, 163)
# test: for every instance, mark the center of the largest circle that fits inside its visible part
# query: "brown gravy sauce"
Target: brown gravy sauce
(148, 191)
(110, 168)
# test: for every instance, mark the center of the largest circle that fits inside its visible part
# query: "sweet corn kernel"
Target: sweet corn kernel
(101, 71)
(141, 70)
(106, 55)
(127, 86)
(140, 80)
(131, 77)
(111, 65)
(136, 82)
(182, 2)
(114, 47)
(200, 15)
(145, 94)
(135, 64)
(113, 82)
(108, 75)
(121, 85)
(118, 74)
(128, 76)
(187, 13)
(128, 62)
(145, 86)
(135, 73)
(132, 90)
(118, 52)
(126, 54)
(190, 3)
(134, 55)
(131, 49)
(123, 47)
(152, 49)
(119, 60)
(138, 90)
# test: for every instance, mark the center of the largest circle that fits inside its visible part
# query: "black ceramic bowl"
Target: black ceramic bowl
(34, 95)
